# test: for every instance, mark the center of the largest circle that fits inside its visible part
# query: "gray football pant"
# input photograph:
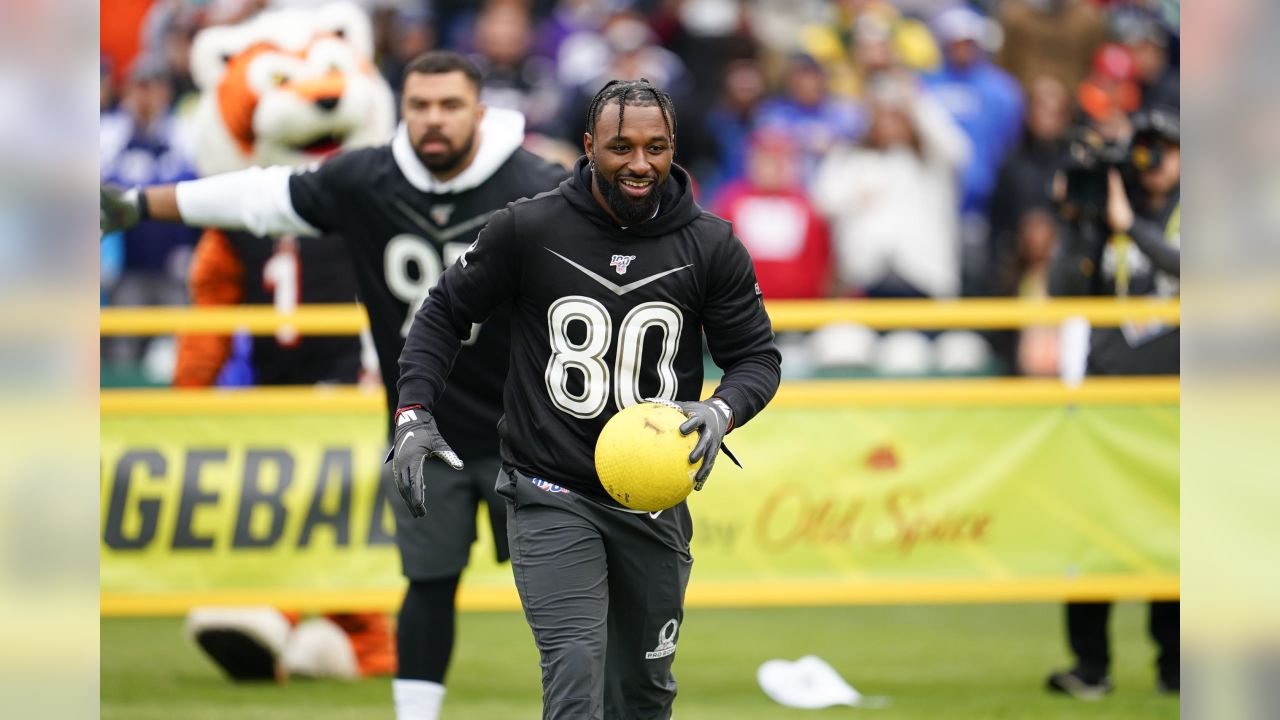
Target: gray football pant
(603, 591)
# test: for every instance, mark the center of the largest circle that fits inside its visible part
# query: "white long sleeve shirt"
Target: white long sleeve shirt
(897, 211)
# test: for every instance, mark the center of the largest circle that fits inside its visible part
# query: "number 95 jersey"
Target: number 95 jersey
(602, 318)
(403, 228)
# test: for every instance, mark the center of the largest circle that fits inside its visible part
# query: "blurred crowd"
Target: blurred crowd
(862, 148)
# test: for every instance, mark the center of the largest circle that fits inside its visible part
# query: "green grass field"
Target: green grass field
(970, 662)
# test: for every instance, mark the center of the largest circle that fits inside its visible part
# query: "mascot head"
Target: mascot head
(288, 87)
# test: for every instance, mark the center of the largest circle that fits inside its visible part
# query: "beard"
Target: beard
(448, 160)
(628, 211)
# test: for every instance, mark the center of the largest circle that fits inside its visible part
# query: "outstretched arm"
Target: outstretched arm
(162, 201)
(255, 199)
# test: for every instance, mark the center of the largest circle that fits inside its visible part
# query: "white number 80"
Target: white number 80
(587, 356)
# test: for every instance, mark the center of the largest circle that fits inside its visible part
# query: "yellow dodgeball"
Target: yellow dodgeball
(643, 460)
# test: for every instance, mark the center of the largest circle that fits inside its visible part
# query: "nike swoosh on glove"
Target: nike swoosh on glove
(417, 440)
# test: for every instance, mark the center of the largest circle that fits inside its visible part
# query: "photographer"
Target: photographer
(1121, 238)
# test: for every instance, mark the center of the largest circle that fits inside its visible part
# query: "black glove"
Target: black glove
(120, 209)
(713, 420)
(417, 440)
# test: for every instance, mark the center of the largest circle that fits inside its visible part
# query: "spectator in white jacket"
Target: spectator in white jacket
(893, 199)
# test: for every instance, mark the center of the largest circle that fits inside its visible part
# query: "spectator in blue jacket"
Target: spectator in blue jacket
(140, 144)
(987, 103)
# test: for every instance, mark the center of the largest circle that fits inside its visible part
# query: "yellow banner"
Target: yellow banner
(834, 505)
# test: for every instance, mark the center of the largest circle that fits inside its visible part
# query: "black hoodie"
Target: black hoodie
(602, 317)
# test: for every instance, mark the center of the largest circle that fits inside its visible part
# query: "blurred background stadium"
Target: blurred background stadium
(935, 453)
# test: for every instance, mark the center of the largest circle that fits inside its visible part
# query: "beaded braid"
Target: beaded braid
(622, 90)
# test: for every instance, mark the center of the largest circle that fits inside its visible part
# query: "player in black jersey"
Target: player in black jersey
(407, 210)
(613, 278)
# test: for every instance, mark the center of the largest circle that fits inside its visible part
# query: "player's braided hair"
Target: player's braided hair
(640, 93)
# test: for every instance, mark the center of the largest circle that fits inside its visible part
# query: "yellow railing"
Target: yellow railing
(787, 315)
(984, 313)
(970, 313)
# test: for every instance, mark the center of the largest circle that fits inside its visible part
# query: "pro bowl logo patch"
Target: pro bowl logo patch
(620, 263)
(548, 486)
(666, 641)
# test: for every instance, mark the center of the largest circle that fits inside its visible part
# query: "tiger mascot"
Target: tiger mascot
(286, 87)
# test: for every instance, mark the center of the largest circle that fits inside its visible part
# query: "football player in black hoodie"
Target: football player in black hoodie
(406, 211)
(613, 278)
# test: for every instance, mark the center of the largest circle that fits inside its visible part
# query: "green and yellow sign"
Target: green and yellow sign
(833, 505)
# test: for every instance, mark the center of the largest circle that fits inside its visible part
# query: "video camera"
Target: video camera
(1090, 156)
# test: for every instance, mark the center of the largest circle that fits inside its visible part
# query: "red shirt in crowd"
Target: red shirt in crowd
(788, 241)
